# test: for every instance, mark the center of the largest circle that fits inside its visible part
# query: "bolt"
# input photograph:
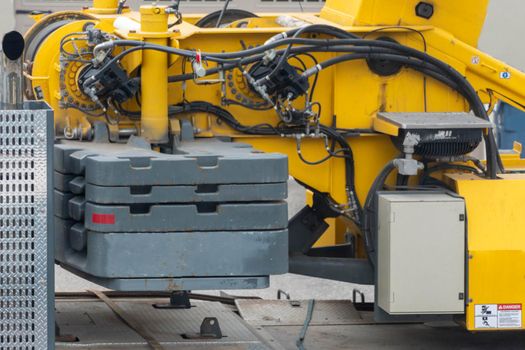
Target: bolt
(425, 10)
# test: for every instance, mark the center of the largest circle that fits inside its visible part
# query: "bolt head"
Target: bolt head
(425, 10)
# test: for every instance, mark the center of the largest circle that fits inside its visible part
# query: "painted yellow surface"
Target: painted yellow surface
(154, 89)
(496, 240)
(104, 7)
(464, 19)
(351, 95)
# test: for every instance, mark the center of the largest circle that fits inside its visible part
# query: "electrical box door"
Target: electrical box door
(421, 253)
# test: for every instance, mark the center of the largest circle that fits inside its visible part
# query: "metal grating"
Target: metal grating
(24, 264)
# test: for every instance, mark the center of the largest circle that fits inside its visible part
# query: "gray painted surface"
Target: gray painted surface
(186, 218)
(178, 254)
(187, 194)
(201, 162)
(152, 245)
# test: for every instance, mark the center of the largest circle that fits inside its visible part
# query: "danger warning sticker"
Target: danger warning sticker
(498, 316)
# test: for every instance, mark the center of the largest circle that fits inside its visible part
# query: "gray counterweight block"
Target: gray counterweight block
(187, 217)
(204, 161)
(211, 216)
(174, 254)
(187, 194)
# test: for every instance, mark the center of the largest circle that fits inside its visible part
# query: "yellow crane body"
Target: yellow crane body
(351, 95)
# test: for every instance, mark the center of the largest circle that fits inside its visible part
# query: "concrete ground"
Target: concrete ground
(299, 287)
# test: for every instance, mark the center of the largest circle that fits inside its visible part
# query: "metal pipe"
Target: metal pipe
(11, 72)
(106, 4)
(127, 132)
(155, 120)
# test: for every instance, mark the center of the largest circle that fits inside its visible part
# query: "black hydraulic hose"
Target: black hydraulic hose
(318, 29)
(229, 119)
(296, 33)
(302, 50)
(462, 84)
(474, 100)
(369, 210)
(349, 172)
(295, 51)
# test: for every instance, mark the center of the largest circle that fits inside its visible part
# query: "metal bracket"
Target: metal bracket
(210, 329)
(309, 224)
(179, 300)
(330, 262)
(64, 338)
(280, 294)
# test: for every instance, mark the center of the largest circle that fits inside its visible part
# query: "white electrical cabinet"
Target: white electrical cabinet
(421, 253)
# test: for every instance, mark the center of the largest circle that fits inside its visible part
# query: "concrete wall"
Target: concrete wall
(7, 18)
(504, 30)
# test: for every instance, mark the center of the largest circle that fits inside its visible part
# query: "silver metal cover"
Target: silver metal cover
(412, 121)
(25, 299)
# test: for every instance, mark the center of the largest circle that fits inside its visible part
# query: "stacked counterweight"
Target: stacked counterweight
(210, 216)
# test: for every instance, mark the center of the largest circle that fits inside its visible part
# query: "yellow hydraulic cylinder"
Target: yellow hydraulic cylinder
(155, 121)
(104, 7)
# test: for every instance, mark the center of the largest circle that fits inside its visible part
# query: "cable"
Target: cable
(268, 130)
(368, 210)
(302, 336)
(429, 62)
(425, 49)
(219, 21)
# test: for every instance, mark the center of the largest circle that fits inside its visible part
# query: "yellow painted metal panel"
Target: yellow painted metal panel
(464, 19)
(353, 94)
(496, 241)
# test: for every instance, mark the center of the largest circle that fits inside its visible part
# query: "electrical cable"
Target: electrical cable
(425, 49)
(268, 130)
(368, 210)
(221, 16)
(353, 48)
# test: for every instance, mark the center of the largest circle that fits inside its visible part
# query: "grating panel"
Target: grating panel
(24, 261)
